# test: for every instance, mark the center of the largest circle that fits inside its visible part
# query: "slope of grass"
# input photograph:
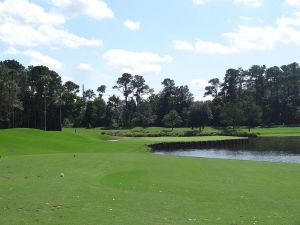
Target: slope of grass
(119, 182)
(30, 141)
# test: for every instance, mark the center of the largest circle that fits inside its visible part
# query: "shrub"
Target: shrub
(137, 132)
(138, 129)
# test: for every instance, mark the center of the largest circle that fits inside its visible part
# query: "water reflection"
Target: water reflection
(278, 149)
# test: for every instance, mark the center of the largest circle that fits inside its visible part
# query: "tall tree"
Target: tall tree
(124, 85)
(114, 111)
(140, 88)
(45, 85)
(101, 90)
(200, 115)
(213, 88)
(232, 114)
(274, 90)
(89, 95)
(172, 119)
(256, 82)
(233, 85)
(69, 98)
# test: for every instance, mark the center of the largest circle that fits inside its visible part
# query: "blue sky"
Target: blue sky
(92, 42)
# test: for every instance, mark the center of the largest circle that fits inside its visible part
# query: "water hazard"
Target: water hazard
(273, 149)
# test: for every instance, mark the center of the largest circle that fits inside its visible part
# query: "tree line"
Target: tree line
(257, 96)
(35, 97)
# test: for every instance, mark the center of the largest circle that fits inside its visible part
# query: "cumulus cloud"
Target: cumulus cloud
(65, 78)
(15, 33)
(293, 20)
(293, 2)
(247, 38)
(263, 38)
(132, 25)
(28, 12)
(249, 3)
(199, 83)
(199, 2)
(27, 24)
(11, 51)
(96, 9)
(204, 47)
(213, 47)
(37, 58)
(252, 38)
(85, 66)
(183, 45)
(199, 86)
(135, 62)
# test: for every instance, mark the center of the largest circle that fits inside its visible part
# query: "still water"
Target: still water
(273, 149)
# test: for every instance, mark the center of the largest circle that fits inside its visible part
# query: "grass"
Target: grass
(29, 141)
(121, 183)
(276, 131)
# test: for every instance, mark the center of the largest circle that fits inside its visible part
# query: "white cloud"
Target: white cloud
(249, 3)
(246, 38)
(253, 38)
(132, 25)
(263, 38)
(11, 51)
(28, 12)
(199, 83)
(199, 2)
(27, 24)
(135, 62)
(37, 58)
(65, 78)
(85, 66)
(202, 98)
(183, 45)
(213, 48)
(293, 2)
(199, 87)
(204, 47)
(26, 35)
(96, 9)
(290, 21)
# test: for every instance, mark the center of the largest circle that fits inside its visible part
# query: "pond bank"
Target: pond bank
(171, 146)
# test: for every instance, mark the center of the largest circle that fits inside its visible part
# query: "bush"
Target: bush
(138, 129)
(141, 132)
(191, 133)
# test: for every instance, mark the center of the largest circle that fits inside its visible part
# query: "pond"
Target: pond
(273, 149)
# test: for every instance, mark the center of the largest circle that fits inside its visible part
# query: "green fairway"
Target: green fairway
(112, 182)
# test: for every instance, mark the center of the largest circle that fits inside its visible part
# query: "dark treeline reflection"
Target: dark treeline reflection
(35, 97)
